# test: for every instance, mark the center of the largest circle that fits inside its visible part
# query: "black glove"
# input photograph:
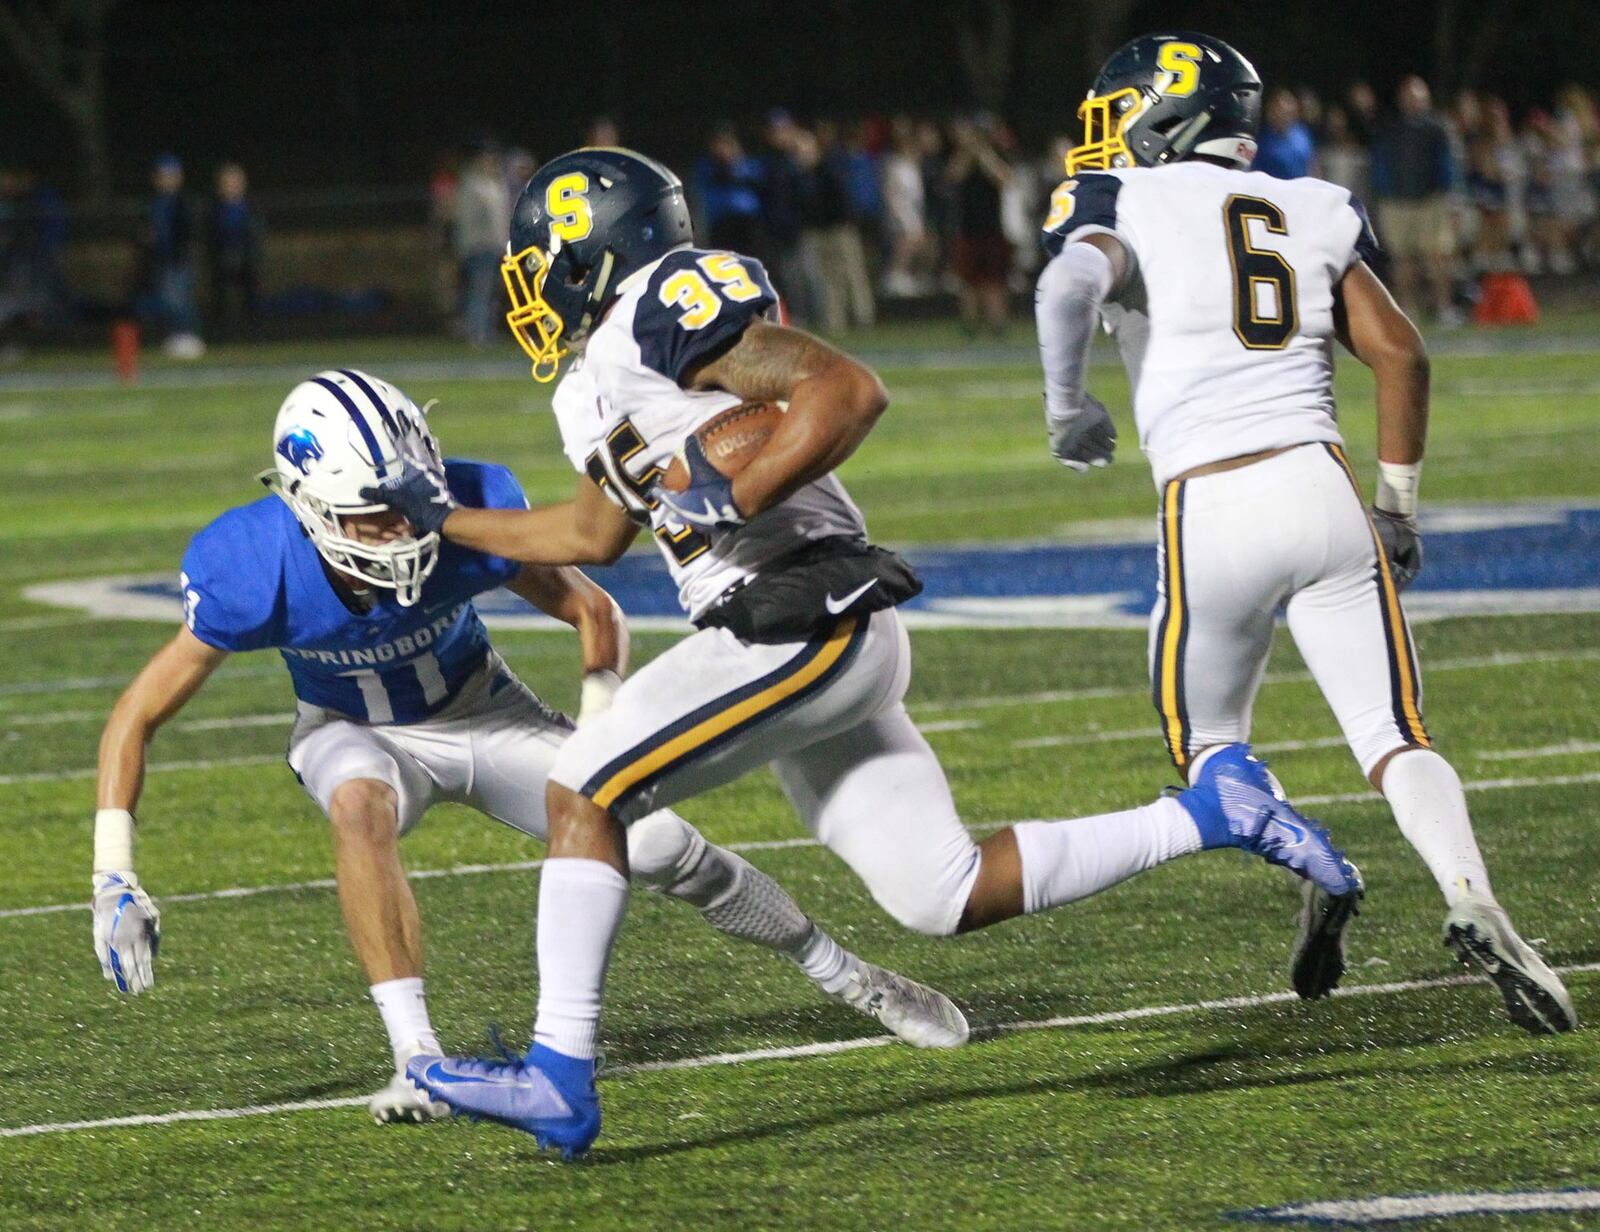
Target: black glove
(419, 494)
(1084, 438)
(1402, 544)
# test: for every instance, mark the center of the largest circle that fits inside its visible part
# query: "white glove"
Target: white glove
(127, 931)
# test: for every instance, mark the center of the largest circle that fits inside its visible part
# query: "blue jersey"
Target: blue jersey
(252, 580)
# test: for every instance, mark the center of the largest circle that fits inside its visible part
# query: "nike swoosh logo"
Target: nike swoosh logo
(1301, 835)
(439, 1074)
(835, 606)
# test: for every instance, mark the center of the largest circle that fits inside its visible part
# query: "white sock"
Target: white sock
(828, 964)
(1424, 792)
(1063, 861)
(404, 1007)
(580, 910)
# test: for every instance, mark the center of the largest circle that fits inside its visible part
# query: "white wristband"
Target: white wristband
(599, 687)
(1397, 487)
(113, 840)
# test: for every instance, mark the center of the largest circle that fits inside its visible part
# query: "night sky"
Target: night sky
(317, 95)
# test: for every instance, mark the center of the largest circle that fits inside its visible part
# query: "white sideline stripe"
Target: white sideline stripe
(796, 1052)
(779, 844)
(1467, 663)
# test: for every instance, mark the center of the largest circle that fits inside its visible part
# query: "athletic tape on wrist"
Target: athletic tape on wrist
(599, 687)
(1397, 487)
(113, 841)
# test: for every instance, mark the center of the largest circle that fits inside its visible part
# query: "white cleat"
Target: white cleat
(403, 1102)
(1480, 934)
(921, 1016)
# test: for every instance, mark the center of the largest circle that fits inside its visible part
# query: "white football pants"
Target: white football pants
(827, 716)
(492, 749)
(1235, 547)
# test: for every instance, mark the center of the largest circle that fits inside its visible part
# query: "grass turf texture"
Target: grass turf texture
(1157, 1123)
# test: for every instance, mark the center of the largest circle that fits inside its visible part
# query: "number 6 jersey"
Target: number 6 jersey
(623, 414)
(1225, 321)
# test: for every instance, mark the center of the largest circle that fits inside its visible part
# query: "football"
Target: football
(730, 438)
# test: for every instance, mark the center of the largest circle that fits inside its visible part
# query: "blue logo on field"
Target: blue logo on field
(300, 449)
(1483, 560)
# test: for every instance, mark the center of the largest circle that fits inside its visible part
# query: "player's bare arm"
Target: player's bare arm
(834, 401)
(587, 530)
(127, 926)
(1375, 330)
(173, 675)
(567, 595)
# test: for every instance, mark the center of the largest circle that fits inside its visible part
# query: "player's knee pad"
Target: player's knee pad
(663, 849)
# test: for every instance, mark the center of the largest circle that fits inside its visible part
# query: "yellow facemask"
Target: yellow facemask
(533, 323)
(1105, 120)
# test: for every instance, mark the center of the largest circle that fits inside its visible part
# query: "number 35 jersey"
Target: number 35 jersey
(253, 581)
(1225, 322)
(623, 413)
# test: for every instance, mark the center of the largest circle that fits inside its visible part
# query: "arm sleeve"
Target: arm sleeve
(1067, 307)
(1083, 205)
(696, 306)
(225, 603)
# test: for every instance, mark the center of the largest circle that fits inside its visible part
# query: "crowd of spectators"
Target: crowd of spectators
(911, 207)
(847, 215)
(176, 239)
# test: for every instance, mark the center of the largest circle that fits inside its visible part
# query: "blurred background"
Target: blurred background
(209, 172)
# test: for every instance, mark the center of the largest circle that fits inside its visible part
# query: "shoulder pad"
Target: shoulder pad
(1366, 245)
(1086, 200)
(695, 306)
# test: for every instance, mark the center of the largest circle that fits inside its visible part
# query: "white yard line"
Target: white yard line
(1429, 667)
(1565, 749)
(779, 844)
(216, 763)
(792, 1053)
(70, 684)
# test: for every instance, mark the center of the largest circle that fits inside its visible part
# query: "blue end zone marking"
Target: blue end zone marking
(1482, 560)
(361, 422)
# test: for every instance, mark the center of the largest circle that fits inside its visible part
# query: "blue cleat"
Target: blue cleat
(1236, 802)
(546, 1094)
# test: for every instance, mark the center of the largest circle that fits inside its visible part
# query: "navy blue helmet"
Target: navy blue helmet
(1166, 97)
(584, 223)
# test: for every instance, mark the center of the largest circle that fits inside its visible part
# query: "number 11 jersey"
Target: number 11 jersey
(1225, 321)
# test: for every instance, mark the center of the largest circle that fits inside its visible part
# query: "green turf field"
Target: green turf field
(1413, 1084)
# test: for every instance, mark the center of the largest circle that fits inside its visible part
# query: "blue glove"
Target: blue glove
(708, 500)
(418, 493)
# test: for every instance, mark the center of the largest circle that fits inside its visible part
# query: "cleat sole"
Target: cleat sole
(1528, 1003)
(1317, 963)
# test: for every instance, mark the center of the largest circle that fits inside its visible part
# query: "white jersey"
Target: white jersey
(1225, 322)
(623, 415)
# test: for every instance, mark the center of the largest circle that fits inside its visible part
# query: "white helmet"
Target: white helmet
(340, 432)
